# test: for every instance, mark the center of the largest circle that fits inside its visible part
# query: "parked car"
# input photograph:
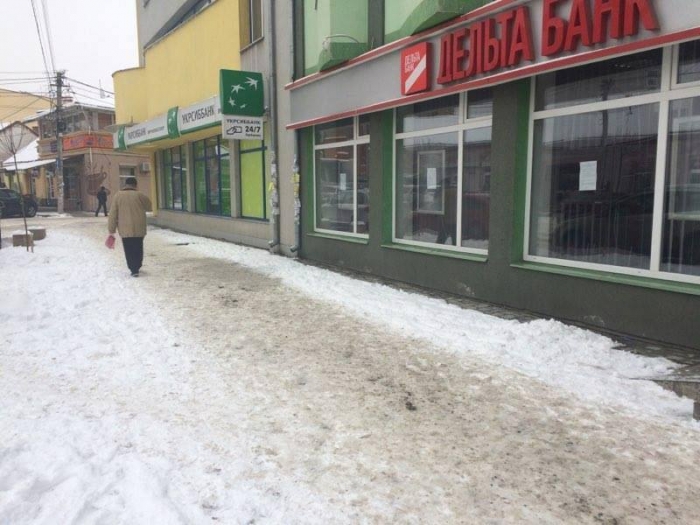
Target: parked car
(10, 204)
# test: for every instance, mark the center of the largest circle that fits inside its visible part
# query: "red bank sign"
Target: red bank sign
(415, 73)
(506, 39)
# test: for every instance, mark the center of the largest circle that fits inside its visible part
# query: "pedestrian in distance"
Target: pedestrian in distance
(101, 201)
(128, 217)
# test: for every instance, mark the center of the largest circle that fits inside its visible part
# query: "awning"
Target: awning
(9, 165)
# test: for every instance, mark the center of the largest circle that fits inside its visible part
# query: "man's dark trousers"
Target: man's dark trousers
(133, 250)
(101, 205)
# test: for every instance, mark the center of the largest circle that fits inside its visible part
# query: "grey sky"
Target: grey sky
(91, 39)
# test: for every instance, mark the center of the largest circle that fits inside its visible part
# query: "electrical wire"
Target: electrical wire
(41, 42)
(89, 85)
(48, 34)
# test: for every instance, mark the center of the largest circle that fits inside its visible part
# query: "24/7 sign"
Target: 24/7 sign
(241, 128)
(415, 70)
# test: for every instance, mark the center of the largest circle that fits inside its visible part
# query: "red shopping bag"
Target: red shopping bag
(109, 243)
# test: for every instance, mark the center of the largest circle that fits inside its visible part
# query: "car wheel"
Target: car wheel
(31, 210)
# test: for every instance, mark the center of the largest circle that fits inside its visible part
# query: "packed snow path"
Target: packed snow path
(206, 391)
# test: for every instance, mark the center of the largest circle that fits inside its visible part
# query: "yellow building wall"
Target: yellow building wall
(183, 67)
(131, 99)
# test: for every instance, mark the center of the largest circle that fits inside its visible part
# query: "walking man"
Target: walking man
(101, 201)
(128, 217)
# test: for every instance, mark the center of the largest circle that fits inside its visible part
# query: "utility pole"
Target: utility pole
(59, 140)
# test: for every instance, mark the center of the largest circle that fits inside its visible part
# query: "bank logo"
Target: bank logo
(415, 69)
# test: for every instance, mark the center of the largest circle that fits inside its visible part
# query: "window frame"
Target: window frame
(669, 91)
(246, 8)
(464, 124)
(167, 169)
(356, 141)
(207, 176)
(124, 177)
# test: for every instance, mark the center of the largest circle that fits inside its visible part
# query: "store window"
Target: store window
(443, 172)
(689, 62)
(680, 248)
(253, 179)
(174, 178)
(342, 176)
(597, 197)
(212, 176)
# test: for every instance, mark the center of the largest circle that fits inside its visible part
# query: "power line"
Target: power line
(89, 85)
(48, 34)
(41, 43)
(91, 95)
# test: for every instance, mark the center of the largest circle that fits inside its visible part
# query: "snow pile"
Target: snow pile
(579, 361)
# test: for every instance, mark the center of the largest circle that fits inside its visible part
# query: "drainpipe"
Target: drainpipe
(295, 145)
(297, 201)
(274, 178)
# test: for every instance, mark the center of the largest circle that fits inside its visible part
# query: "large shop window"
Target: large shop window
(600, 197)
(174, 178)
(212, 177)
(443, 172)
(342, 176)
(253, 179)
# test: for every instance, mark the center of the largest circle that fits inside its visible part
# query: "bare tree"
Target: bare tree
(12, 144)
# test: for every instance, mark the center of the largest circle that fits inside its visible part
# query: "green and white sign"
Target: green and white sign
(172, 123)
(241, 93)
(199, 116)
(118, 139)
(161, 127)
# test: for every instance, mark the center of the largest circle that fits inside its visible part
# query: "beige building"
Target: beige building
(89, 160)
(21, 106)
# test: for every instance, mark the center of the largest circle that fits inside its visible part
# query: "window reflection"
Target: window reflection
(613, 79)
(681, 234)
(592, 186)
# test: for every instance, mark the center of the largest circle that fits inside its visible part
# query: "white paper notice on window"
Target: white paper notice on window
(431, 182)
(343, 181)
(588, 176)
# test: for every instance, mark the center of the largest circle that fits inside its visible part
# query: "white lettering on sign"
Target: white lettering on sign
(416, 74)
(410, 61)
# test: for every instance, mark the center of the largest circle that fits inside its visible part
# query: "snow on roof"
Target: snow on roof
(26, 158)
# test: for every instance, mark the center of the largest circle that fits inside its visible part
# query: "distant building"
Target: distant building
(169, 108)
(89, 159)
(21, 106)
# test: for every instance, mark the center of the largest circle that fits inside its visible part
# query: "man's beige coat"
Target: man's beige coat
(128, 213)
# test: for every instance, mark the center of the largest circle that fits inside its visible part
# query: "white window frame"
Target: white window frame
(250, 21)
(669, 91)
(357, 140)
(465, 124)
(122, 178)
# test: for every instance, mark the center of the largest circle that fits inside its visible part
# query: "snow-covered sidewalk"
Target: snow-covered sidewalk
(227, 385)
